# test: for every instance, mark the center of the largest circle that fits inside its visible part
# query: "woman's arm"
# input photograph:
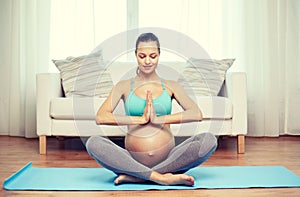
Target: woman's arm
(190, 113)
(105, 113)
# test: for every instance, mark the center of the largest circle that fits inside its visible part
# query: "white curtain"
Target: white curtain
(273, 66)
(23, 52)
(263, 36)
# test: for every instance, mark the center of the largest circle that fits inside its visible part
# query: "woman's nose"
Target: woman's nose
(147, 60)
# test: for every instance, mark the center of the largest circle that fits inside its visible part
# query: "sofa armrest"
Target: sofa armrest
(236, 91)
(48, 85)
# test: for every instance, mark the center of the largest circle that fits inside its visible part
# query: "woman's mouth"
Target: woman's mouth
(147, 67)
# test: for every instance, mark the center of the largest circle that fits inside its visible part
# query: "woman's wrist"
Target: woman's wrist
(142, 120)
(159, 120)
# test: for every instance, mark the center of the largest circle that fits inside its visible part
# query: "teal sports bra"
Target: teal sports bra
(134, 105)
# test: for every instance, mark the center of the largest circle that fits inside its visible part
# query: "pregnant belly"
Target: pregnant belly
(149, 145)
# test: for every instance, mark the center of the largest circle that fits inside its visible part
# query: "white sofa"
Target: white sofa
(225, 114)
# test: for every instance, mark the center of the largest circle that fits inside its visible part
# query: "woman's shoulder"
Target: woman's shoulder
(121, 88)
(171, 83)
(123, 84)
(174, 86)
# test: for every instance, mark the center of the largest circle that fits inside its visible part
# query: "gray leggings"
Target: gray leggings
(189, 154)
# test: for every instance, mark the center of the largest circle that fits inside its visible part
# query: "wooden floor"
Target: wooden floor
(15, 152)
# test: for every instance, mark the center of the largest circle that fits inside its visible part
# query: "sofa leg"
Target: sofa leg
(43, 145)
(241, 144)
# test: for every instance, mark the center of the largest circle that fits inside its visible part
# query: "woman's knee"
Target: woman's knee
(208, 138)
(208, 145)
(92, 143)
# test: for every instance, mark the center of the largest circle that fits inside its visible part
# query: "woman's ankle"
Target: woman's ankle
(171, 179)
(158, 178)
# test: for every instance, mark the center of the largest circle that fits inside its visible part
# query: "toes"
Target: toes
(123, 178)
(187, 180)
(119, 179)
(116, 181)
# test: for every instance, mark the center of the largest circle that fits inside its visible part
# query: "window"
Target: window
(78, 26)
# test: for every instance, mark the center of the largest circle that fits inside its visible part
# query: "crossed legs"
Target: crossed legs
(190, 153)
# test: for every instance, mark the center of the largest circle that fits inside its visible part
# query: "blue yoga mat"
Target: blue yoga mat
(29, 178)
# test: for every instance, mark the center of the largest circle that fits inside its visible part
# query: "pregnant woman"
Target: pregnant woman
(150, 153)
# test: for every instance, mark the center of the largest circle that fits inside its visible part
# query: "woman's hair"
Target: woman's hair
(146, 37)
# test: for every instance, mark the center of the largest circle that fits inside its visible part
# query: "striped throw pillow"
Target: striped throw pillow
(84, 76)
(204, 77)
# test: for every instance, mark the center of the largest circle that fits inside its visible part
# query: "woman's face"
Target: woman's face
(147, 56)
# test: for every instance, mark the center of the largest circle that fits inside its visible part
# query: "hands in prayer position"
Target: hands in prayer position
(149, 112)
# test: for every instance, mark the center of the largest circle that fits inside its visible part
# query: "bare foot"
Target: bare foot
(176, 179)
(124, 178)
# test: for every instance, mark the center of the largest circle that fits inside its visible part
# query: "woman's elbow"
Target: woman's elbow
(99, 120)
(104, 118)
(200, 116)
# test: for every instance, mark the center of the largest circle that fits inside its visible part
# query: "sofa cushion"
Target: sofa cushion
(75, 108)
(214, 107)
(204, 77)
(85, 128)
(89, 127)
(86, 108)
